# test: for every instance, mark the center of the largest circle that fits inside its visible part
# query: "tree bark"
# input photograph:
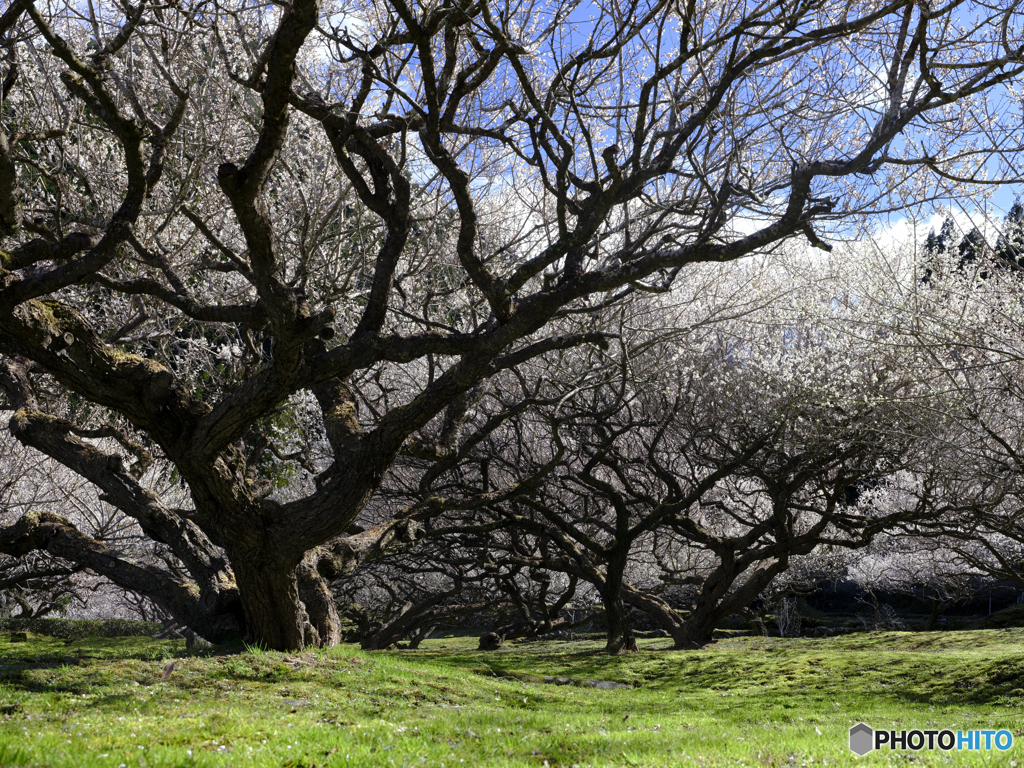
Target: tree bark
(620, 629)
(532, 628)
(288, 607)
(411, 616)
(938, 608)
(216, 615)
(321, 610)
(698, 629)
(716, 601)
(659, 610)
(274, 615)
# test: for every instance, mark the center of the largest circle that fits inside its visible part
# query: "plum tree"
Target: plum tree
(263, 250)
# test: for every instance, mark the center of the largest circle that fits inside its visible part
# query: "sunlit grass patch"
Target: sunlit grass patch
(744, 701)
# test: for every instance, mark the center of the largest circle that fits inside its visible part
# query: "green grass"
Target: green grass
(744, 701)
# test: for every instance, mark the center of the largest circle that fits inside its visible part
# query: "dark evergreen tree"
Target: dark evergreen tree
(1010, 245)
(936, 245)
(971, 250)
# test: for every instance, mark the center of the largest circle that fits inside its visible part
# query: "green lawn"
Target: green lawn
(745, 701)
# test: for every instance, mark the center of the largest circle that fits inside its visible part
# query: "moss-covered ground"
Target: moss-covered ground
(744, 701)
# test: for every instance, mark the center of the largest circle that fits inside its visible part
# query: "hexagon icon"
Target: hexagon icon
(862, 739)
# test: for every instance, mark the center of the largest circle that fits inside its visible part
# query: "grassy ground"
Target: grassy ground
(745, 701)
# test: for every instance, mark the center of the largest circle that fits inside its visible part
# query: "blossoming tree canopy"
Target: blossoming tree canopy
(264, 249)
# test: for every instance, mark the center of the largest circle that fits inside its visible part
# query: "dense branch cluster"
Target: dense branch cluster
(272, 274)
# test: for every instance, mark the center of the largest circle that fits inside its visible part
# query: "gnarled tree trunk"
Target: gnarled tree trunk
(324, 622)
(214, 612)
(274, 615)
